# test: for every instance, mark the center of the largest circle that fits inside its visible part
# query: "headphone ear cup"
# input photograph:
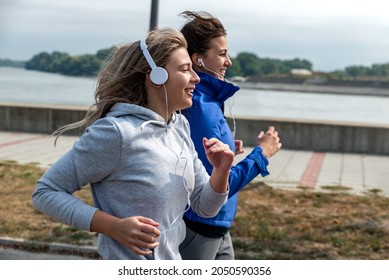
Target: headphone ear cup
(159, 76)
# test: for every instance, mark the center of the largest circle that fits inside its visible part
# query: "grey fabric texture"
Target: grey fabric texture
(137, 165)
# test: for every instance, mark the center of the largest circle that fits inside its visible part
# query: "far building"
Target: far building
(301, 72)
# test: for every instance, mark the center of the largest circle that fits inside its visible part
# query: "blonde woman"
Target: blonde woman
(137, 156)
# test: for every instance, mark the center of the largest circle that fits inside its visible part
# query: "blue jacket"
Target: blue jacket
(206, 119)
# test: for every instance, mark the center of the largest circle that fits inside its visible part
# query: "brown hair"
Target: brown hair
(122, 78)
(200, 28)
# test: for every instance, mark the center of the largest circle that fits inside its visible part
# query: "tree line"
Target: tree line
(248, 64)
(63, 63)
(376, 70)
(244, 64)
(11, 63)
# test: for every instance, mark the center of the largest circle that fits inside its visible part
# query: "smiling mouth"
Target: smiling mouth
(189, 91)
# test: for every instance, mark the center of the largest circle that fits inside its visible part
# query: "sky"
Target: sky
(332, 34)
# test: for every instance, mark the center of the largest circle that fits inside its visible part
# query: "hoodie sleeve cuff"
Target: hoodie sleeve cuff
(211, 201)
(260, 159)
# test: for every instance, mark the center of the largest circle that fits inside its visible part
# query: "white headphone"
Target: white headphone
(158, 75)
(200, 61)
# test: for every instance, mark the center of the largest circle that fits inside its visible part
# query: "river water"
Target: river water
(22, 86)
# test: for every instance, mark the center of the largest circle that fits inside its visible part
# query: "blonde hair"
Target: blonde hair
(122, 78)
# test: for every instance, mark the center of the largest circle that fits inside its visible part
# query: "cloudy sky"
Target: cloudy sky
(332, 34)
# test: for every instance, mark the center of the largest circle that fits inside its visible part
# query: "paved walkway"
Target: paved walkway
(19, 254)
(289, 169)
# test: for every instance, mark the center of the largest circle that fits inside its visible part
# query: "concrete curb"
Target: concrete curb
(58, 248)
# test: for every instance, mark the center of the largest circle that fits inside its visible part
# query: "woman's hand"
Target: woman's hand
(238, 147)
(269, 142)
(222, 158)
(218, 154)
(137, 233)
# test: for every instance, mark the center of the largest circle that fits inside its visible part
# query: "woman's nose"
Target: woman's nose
(228, 61)
(195, 77)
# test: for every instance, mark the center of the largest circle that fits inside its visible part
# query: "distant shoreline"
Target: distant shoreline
(301, 87)
(371, 91)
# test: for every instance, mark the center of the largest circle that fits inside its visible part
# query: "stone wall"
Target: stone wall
(294, 133)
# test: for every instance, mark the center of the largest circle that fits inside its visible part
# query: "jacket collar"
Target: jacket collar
(215, 88)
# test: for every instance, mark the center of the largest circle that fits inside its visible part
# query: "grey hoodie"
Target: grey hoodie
(137, 165)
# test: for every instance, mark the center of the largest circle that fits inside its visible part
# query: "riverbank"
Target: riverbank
(311, 88)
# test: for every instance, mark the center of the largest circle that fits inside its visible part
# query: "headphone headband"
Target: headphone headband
(158, 75)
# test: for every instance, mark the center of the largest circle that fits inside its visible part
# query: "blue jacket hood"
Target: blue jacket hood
(215, 89)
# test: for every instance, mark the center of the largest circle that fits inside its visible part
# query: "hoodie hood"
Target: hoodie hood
(148, 116)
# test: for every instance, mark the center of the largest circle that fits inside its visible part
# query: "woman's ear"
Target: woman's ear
(196, 59)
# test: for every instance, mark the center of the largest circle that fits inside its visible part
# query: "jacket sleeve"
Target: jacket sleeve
(91, 159)
(213, 124)
(246, 170)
